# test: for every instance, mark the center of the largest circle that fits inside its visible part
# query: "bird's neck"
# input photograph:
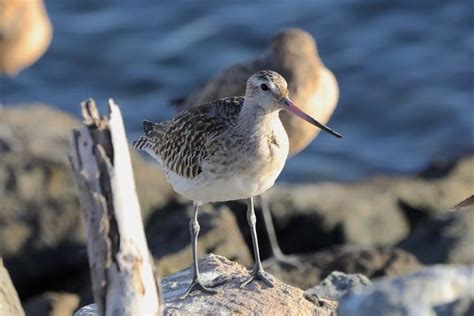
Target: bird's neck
(257, 120)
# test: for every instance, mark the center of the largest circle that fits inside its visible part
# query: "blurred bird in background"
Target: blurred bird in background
(292, 53)
(25, 34)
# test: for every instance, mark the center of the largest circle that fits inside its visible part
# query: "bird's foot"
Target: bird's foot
(196, 285)
(258, 274)
(289, 260)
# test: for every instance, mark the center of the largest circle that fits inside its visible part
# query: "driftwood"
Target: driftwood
(9, 302)
(254, 299)
(122, 272)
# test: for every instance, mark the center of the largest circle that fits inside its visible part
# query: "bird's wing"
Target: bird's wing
(180, 144)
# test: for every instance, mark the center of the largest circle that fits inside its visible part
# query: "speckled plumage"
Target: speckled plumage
(182, 144)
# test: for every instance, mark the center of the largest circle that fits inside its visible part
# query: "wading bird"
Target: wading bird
(230, 149)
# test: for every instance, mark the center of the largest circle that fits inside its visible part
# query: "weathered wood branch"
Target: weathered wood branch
(122, 272)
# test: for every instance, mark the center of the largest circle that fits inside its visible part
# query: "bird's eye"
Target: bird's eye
(264, 87)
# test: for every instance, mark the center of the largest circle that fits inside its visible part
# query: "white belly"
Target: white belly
(222, 189)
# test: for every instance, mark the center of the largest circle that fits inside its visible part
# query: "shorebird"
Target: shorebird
(230, 149)
(25, 34)
(292, 53)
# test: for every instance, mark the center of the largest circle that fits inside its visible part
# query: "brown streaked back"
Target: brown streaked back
(180, 143)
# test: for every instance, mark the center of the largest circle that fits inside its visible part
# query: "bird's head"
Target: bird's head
(268, 90)
(293, 45)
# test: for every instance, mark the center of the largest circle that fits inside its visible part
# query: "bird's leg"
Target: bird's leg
(196, 283)
(277, 254)
(257, 273)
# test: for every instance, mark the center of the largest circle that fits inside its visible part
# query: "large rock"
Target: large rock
(39, 208)
(380, 211)
(426, 196)
(255, 299)
(169, 237)
(370, 262)
(431, 291)
(445, 238)
(9, 302)
(313, 216)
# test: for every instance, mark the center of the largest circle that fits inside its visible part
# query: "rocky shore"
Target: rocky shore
(379, 228)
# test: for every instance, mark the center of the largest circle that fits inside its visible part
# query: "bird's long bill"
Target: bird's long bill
(292, 108)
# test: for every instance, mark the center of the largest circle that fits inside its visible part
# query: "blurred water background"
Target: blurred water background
(405, 70)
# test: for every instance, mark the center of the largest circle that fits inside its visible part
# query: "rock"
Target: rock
(422, 197)
(169, 237)
(445, 238)
(52, 304)
(39, 208)
(379, 211)
(373, 263)
(314, 216)
(256, 298)
(420, 293)
(9, 302)
(335, 285)
(370, 262)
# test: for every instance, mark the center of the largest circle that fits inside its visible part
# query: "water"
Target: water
(405, 70)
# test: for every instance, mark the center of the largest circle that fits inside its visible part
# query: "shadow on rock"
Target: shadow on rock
(373, 263)
(445, 238)
(170, 241)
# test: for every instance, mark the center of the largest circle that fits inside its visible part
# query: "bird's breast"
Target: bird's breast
(273, 152)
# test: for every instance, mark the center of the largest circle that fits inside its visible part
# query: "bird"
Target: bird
(25, 34)
(293, 53)
(233, 148)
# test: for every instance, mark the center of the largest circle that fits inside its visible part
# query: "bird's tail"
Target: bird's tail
(148, 126)
(151, 133)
